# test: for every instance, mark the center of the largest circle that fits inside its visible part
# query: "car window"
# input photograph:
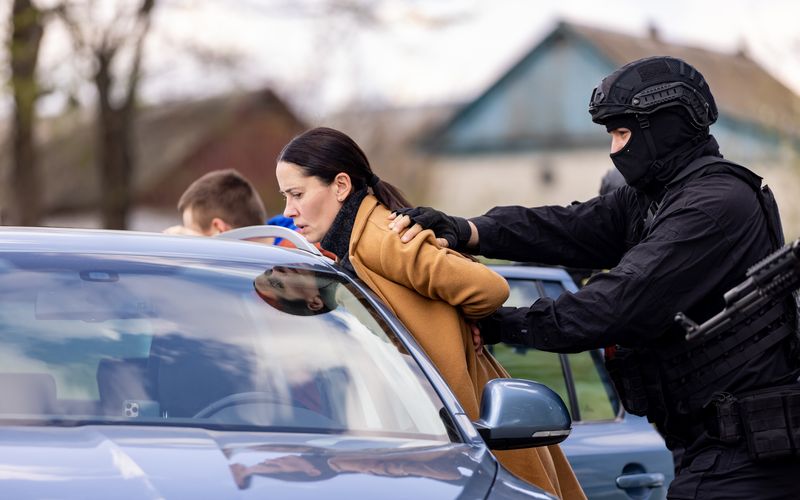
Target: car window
(580, 378)
(552, 289)
(523, 292)
(532, 364)
(226, 345)
(595, 395)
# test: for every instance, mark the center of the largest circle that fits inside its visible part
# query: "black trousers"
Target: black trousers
(728, 473)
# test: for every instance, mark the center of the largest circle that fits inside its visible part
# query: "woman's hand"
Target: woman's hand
(477, 340)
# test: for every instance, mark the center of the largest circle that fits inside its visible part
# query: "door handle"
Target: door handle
(647, 480)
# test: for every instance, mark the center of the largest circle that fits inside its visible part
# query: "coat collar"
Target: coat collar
(368, 205)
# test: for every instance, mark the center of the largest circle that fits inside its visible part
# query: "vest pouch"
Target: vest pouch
(771, 423)
(722, 419)
(625, 369)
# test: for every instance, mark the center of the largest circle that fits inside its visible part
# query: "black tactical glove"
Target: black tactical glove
(455, 230)
(506, 324)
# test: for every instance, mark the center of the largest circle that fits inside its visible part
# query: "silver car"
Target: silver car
(147, 366)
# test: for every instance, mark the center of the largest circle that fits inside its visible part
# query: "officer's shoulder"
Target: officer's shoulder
(720, 195)
(719, 185)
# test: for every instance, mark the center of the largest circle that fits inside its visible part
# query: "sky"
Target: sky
(416, 52)
(405, 61)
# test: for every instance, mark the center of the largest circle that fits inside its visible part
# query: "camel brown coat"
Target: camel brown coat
(432, 290)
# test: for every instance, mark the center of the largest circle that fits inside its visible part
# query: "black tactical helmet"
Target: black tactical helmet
(648, 85)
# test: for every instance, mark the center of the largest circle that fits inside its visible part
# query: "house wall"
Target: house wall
(470, 185)
(784, 181)
(748, 143)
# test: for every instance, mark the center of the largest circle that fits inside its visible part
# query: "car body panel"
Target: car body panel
(600, 451)
(156, 462)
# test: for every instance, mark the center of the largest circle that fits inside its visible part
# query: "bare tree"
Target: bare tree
(114, 47)
(108, 39)
(23, 44)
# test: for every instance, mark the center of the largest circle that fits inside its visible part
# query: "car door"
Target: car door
(615, 455)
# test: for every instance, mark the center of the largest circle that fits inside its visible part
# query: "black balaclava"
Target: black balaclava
(633, 160)
(675, 143)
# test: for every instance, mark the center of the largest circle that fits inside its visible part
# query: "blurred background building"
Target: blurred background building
(175, 143)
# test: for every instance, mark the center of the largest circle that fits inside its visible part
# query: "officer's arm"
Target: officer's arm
(451, 232)
(588, 235)
(673, 269)
(399, 223)
(583, 235)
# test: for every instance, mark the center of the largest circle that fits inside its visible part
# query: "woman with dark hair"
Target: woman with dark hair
(334, 198)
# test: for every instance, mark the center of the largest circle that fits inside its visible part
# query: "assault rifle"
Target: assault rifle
(768, 281)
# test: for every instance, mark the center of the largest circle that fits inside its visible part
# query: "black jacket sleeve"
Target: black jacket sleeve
(583, 235)
(673, 268)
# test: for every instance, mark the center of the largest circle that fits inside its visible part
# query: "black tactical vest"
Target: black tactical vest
(673, 381)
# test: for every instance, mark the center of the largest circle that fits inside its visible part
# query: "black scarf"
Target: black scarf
(337, 239)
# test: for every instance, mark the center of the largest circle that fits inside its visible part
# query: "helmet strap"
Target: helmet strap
(644, 125)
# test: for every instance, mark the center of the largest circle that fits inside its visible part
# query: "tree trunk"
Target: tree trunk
(24, 43)
(115, 125)
(114, 144)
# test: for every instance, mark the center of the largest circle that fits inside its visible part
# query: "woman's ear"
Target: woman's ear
(342, 185)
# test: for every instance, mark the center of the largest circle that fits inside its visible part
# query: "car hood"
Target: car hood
(149, 463)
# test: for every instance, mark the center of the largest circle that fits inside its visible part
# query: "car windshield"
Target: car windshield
(167, 341)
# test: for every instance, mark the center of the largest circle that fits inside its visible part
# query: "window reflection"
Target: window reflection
(297, 291)
(310, 463)
(523, 293)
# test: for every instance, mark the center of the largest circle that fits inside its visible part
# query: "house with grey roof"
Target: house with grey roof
(528, 139)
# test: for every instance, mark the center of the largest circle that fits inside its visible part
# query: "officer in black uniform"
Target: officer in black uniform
(682, 231)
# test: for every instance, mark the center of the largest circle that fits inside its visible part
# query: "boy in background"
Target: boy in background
(222, 200)
(219, 201)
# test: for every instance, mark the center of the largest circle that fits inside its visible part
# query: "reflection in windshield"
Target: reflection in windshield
(297, 291)
(196, 343)
(308, 463)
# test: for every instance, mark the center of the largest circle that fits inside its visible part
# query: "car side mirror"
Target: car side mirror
(517, 413)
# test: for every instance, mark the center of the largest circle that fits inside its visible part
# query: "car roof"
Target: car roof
(134, 243)
(532, 272)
